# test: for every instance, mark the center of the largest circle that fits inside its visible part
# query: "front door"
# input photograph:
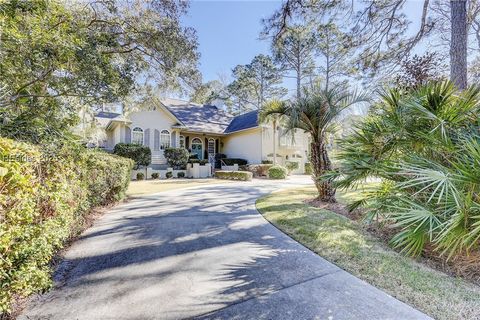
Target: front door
(197, 148)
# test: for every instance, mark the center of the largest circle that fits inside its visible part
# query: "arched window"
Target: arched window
(182, 142)
(137, 135)
(211, 146)
(164, 139)
(197, 148)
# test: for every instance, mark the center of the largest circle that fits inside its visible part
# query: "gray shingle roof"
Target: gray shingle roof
(244, 121)
(197, 117)
(108, 115)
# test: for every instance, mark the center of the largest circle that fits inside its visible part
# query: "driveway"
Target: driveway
(204, 253)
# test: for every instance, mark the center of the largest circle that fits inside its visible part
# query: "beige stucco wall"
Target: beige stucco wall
(244, 144)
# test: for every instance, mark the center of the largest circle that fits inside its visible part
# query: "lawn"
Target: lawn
(345, 243)
(145, 187)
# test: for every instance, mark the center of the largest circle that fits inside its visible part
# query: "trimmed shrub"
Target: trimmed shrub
(202, 162)
(169, 175)
(180, 174)
(177, 158)
(308, 168)
(142, 155)
(140, 176)
(291, 165)
(232, 161)
(234, 175)
(45, 199)
(267, 162)
(155, 175)
(277, 172)
(259, 170)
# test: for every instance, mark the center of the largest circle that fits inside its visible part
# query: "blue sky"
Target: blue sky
(228, 31)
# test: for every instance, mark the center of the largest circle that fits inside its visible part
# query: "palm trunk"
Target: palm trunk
(274, 142)
(458, 46)
(320, 165)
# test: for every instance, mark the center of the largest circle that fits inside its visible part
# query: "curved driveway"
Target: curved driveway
(204, 253)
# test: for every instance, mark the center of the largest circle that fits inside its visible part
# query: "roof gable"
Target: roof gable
(242, 122)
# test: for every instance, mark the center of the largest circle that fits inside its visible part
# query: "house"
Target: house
(204, 130)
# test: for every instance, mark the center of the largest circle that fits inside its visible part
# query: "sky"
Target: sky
(228, 32)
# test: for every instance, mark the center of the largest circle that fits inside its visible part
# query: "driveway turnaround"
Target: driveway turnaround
(204, 253)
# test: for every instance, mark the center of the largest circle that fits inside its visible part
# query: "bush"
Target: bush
(177, 158)
(142, 155)
(291, 165)
(140, 176)
(277, 172)
(155, 175)
(169, 175)
(202, 162)
(180, 174)
(44, 200)
(267, 162)
(259, 170)
(232, 161)
(308, 168)
(234, 175)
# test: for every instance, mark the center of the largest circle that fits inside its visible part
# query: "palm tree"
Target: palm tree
(425, 147)
(315, 113)
(268, 115)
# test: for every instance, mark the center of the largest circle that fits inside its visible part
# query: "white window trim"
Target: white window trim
(208, 147)
(138, 132)
(163, 134)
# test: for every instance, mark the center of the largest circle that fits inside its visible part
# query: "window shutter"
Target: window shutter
(187, 143)
(147, 138)
(128, 135)
(156, 140)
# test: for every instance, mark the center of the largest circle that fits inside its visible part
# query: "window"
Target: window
(211, 146)
(137, 135)
(164, 139)
(182, 142)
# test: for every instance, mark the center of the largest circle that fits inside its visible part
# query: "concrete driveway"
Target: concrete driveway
(204, 253)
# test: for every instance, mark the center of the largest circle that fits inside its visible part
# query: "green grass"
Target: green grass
(345, 243)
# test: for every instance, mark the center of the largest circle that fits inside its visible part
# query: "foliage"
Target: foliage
(255, 83)
(180, 174)
(425, 146)
(207, 92)
(294, 51)
(291, 165)
(346, 243)
(308, 168)
(140, 176)
(200, 161)
(316, 113)
(232, 161)
(259, 170)
(277, 172)
(177, 158)
(169, 174)
(142, 155)
(234, 175)
(45, 198)
(57, 58)
(418, 71)
(155, 175)
(267, 162)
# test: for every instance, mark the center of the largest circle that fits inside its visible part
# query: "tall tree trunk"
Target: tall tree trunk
(458, 45)
(321, 164)
(274, 141)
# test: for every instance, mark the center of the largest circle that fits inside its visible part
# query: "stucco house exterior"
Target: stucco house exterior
(204, 130)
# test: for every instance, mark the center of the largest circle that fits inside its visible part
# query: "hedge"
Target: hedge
(277, 172)
(177, 158)
(232, 161)
(142, 155)
(234, 175)
(291, 165)
(44, 201)
(308, 168)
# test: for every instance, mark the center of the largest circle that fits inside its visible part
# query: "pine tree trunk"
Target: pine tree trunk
(458, 45)
(321, 164)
